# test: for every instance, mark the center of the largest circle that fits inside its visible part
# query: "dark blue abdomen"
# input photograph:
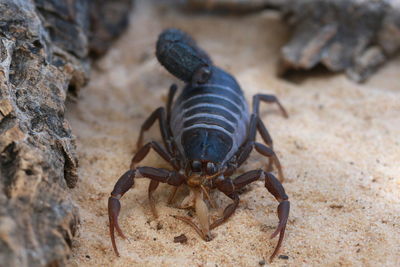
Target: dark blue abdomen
(209, 121)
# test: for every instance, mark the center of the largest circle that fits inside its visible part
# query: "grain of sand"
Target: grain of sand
(340, 150)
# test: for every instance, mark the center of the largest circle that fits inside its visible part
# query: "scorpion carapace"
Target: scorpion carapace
(207, 134)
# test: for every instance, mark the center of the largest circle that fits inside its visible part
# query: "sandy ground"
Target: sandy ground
(340, 150)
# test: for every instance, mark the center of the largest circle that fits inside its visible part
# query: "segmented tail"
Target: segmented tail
(180, 55)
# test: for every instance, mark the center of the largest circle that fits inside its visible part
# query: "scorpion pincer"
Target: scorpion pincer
(207, 134)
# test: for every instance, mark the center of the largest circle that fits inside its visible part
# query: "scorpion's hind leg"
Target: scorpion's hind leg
(266, 138)
(268, 99)
(163, 118)
(158, 114)
(260, 125)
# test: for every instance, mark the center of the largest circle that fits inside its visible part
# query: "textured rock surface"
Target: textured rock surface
(44, 49)
(108, 19)
(354, 36)
(232, 6)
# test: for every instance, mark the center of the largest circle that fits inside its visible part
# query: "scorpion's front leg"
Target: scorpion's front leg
(230, 188)
(276, 189)
(126, 182)
(227, 187)
(114, 206)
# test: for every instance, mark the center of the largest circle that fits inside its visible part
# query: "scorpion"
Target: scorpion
(207, 133)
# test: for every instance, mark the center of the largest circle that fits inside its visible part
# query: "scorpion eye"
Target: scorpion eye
(196, 166)
(211, 169)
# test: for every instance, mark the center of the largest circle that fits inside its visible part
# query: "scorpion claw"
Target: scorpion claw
(114, 207)
(283, 214)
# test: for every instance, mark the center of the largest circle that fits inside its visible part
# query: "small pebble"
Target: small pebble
(333, 206)
(261, 262)
(283, 257)
(180, 239)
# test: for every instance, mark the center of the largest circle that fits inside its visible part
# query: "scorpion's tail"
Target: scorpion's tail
(181, 56)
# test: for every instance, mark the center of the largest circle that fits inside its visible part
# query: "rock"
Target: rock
(232, 6)
(351, 36)
(44, 52)
(355, 36)
(108, 19)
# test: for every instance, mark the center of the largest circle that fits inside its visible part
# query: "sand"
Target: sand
(340, 150)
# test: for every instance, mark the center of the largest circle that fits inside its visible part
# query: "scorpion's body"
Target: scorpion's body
(207, 133)
(209, 121)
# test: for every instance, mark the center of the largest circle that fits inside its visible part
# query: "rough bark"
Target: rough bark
(44, 48)
(354, 36)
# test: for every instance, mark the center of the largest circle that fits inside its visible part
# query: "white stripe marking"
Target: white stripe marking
(208, 126)
(209, 105)
(226, 88)
(208, 115)
(211, 95)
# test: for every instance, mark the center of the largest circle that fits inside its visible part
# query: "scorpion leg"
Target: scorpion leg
(159, 114)
(263, 150)
(172, 195)
(227, 187)
(172, 90)
(163, 120)
(268, 152)
(245, 151)
(228, 211)
(152, 187)
(260, 125)
(125, 182)
(114, 206)
(269, 99)
(276, 189)
(144, 150)
(266, 138)
(139, 156)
